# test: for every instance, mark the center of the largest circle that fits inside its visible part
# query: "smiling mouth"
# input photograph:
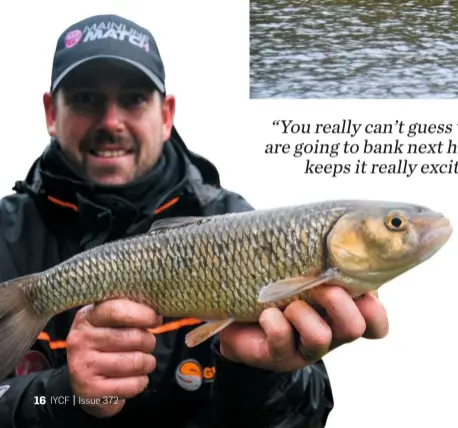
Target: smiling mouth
(110, 153)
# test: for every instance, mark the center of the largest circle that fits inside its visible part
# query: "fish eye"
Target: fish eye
(396, 221)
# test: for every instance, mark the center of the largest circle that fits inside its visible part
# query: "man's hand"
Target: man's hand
(109, 354)
(273, 345)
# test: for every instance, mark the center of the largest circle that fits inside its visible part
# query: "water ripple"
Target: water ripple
(354, 48)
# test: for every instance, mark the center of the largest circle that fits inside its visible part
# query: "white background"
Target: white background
(407, 379)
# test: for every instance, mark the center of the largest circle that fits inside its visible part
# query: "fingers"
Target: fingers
(314, 333)
(122, 340)
(344, 317)
(279, 334)
(344, 321)
(117, 364)
(374, 313)
(234, 340)
(122, 313)
(109, 353)
(118, 388)
(127, 387)
(301, 334)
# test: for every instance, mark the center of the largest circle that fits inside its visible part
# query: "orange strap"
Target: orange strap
(62, 203)
(170, 326)
(167, 205)
(75, 208)
(174, 325)
(56, 344)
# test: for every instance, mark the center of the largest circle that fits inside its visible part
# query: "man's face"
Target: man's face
(110, 121)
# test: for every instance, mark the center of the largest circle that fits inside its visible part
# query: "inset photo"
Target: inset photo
(353, 49)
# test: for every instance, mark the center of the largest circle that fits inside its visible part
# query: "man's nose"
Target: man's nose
(113, 118)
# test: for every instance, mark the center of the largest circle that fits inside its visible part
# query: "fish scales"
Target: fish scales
(215, 268)
(228, 267)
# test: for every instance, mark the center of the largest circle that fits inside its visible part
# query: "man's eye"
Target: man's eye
(86, 98)
(133, 99)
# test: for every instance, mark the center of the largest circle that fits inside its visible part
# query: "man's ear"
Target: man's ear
(168, 115)
(49, 104)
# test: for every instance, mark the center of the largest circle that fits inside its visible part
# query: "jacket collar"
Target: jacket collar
(200, 183)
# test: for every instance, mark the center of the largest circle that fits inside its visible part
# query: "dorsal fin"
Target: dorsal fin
(174, 222)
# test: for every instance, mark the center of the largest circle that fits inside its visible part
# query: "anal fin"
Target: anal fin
(205, 331)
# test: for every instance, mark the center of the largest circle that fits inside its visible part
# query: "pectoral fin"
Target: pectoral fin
(292, 286)
(205, 331)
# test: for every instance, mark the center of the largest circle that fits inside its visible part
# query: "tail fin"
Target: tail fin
(20, 324)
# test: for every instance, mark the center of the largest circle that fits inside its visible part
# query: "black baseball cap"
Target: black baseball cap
(107, 37)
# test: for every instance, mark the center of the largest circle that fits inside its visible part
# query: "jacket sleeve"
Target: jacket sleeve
(42, 400)
(246, 396)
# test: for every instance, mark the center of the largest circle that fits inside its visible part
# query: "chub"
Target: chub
(227, 268)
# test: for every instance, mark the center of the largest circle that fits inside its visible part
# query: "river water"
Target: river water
(354, 49)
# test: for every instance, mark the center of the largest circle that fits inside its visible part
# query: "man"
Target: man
(115, 165)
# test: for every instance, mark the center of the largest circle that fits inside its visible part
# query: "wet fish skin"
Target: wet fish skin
(210, 267)
(227, 267)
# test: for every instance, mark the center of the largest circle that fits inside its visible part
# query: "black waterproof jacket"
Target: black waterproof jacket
(190, 387)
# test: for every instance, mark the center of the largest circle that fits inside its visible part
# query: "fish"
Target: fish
(228, 268)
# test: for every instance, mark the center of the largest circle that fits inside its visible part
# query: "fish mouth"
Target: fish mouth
(435, 236)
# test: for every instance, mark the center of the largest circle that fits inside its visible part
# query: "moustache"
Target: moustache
(102, 137)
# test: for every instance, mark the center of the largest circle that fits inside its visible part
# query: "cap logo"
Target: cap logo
(112, 30)
(72, 38)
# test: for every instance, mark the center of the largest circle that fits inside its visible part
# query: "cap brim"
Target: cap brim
(157, 82)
